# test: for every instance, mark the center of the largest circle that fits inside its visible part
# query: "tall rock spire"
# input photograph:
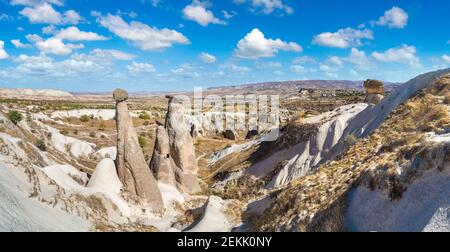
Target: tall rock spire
(174, 160)
(132, 169)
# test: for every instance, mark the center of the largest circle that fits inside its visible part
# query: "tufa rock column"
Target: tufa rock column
(174, 161)
(131, 167)
(374, 91)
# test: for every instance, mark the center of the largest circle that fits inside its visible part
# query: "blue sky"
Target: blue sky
(166, 45)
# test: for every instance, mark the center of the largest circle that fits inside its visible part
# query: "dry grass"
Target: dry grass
(316, 202)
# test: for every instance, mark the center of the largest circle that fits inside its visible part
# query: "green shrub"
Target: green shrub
(64, 132)
(14, 116)
(144, 116)
(142, 141)
(92, 134)
(40, 144)
(85, 118)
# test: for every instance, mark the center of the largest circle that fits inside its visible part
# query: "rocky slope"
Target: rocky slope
(394, 179)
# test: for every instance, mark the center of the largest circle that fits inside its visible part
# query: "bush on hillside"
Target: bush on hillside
(14, 116)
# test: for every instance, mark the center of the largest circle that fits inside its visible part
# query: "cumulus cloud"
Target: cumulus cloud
(358, 58)
(3, 54)
(42, 65)
(36, 2)
(196, 11)
(393, 18)
(141, 35)
(45, 14)
(116, 54)
(254, 46)
(207, 58)
(343, 38)
(186, 71)
(56, 46)
(446, 58)
(267, 6)
(297, 68)
(137, 68)
(74, 34)
(236, 68)
(403, 54)
(303, 60)
(18, 44)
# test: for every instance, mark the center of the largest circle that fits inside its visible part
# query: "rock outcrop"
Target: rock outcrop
(174, 161)
(132, 169)
(374, 91)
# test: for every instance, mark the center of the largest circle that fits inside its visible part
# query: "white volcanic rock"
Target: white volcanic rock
(213, 219)
(26, 92)
(105, 177)
(304, 156)
(132, 168)
(174, 161)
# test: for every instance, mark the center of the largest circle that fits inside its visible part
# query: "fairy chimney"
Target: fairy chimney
(374, 91)
(132, 169)
(174, 154)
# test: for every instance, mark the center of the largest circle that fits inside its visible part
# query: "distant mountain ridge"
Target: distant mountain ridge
(297, 84)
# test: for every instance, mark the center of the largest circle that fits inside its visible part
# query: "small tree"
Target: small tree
(14, 116)
(84, 118)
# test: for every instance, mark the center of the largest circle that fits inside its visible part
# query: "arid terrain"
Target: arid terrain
(350, 156)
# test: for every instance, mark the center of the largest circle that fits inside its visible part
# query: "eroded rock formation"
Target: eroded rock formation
(174, 161)
(132, 169)
(374, 91)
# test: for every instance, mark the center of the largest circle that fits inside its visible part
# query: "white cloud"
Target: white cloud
(3, 54)
(197, 12)
(403, 54)
(116, 54)
(343, 38)
(358, 57)
(136, 68)
(43, 65)
(394, 18)
(36, 2)
(141, 35)
(254, 46)
(298, 68)
(18, 44)
(186, 70)
(303, 60)
(45, 14)
(267, 6)
(336, 61)
(56, 46)
(235, 68)
(332, 64)
(51, 29)
(207, 58)
(268, 65)
(74, 34)
(72, 17)
(446, 58)
(5, 17)
(33, 38)
(228, 14)
(353, 73)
